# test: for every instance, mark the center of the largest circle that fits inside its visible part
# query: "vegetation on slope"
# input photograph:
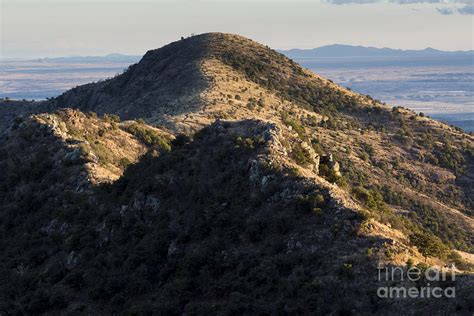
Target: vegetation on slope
(234, 220)
(213, 226)
(277, 73)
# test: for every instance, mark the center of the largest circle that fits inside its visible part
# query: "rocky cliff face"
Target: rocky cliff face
(246, 185)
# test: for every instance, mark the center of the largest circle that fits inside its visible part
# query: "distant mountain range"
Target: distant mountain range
(328, 51)
(338, 50)
(115, 58)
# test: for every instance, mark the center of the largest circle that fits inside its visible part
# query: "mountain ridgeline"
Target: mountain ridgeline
(172, 80)
(217, 176)
(349, 51)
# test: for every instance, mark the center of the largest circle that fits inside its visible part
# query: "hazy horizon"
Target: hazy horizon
(53, 28)
(2, 58)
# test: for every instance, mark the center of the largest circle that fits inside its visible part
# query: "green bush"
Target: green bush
(295, 125)
(301, 155)
(428, 244)
(370, 198)
(111, 118)
(449, 157)
(124, 162)
(149, 136)
(330, 174)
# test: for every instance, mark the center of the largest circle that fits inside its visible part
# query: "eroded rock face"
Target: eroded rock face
(313, 156)
(333, 165)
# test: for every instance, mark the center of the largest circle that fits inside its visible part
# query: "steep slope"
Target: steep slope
(287, 191)
(93, 149)
(180, 79)
(417, 168)
(225, 223)
(166, 81)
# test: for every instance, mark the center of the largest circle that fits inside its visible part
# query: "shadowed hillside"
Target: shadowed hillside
(224, 223)
(243, 184)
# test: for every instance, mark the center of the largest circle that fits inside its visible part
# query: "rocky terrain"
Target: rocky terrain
(217, 176)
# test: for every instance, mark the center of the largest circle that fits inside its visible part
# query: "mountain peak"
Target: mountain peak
(186, 78)
(284, 187)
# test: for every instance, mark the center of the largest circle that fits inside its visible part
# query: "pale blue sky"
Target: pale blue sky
(40, 28)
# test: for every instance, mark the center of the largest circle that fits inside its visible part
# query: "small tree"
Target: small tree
(111, 118)
(428, 244)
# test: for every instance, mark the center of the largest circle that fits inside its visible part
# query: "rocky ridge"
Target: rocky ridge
(245, 184)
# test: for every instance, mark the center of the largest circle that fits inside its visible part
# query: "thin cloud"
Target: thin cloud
(445, 11)
(352, 1)
(467, 10)
(415, 1)
(388, 1)
(467, 6)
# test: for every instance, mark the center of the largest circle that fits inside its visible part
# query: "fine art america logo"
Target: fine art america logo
(413, 282)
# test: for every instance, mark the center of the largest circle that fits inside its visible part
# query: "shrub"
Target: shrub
(449, 157)
(405, 138)
(296, 126)
(149, 136)
(428, 244)
(180, 140)
(301, 155)
(332, 123)
(111, 118)
(311, 203)
(460, 262)
(370, 252)
(330, 174)
(124, 162)
(347, 270)
(370, 198)
(92, 114)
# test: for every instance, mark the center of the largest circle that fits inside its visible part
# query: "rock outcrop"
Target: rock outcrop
(246, 185)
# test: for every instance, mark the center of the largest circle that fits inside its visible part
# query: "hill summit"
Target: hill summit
(217, 176)
(207, 76)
